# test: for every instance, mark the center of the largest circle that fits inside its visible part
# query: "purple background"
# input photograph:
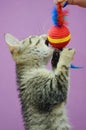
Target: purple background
(26, 17)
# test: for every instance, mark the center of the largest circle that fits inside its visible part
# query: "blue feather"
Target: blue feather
(75, 67)
(54, 16)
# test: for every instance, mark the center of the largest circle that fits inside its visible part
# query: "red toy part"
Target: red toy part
(59, 37)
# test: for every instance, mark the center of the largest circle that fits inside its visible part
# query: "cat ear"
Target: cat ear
(12, 43)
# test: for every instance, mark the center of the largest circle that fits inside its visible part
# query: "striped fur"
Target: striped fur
(42, 92)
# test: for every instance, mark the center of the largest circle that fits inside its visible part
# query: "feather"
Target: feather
(54, 16)
(75, 67)
(58, 17)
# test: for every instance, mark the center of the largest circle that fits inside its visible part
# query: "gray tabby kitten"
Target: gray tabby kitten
(42, 92)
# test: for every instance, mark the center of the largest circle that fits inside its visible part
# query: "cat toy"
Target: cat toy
(59, 35)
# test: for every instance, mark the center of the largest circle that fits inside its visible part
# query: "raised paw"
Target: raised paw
(69, 53)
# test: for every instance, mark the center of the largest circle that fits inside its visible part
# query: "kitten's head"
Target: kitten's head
(30, 50)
